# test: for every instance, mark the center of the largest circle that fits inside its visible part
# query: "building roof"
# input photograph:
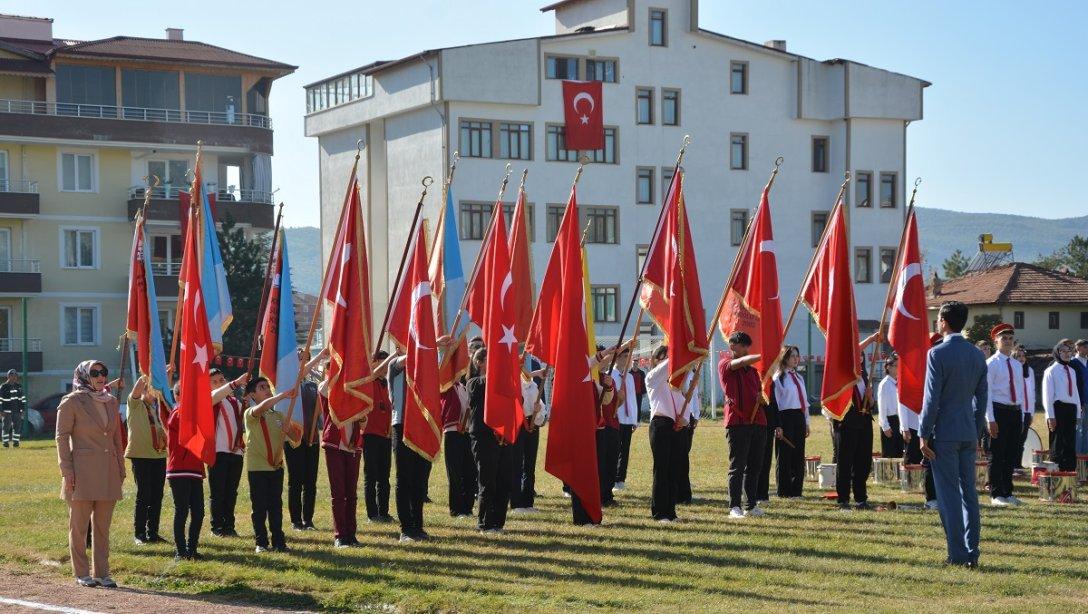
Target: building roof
(158, 49)
(1015, 283)
(557, 5)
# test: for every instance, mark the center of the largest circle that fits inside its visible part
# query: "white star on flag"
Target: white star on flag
(585, 119)
(508, 338)
(201, 357)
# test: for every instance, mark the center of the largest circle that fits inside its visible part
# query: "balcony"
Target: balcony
(165, 275)
(92, 122)
(19, 198)
(11, 354)
(251, 207)
(20, 276)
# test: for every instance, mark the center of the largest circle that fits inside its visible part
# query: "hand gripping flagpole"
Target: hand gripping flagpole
(427, 181)
(265, 293)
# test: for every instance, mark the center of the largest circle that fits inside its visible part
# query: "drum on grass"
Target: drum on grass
(1042, 469)
(812, 468)
(913, 478)
(886, 471)
(1082, 468)
(827, 475)
(1058, 487)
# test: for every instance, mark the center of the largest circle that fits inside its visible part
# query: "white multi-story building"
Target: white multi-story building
(743, 103)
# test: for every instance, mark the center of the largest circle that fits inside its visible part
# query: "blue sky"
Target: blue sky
(1004, 131)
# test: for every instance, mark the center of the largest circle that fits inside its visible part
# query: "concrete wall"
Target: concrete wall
(468, 73)
(599, 13)
(404, 87)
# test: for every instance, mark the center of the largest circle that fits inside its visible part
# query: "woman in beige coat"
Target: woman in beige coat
(92, 466)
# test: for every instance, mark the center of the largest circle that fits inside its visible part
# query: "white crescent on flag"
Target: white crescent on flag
(583, 96)
(911, 270)
(767, 247)
(422, 290)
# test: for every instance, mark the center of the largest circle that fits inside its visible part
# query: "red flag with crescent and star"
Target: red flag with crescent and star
(583, 111)
(196, 420)
(908, 331)
(412, 328)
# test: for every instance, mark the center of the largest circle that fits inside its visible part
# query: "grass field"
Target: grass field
(803, 554)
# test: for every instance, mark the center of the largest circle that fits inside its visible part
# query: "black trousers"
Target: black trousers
(912, 455)
(460, 472)
(1026, 418)
(855, 460)
(150, 476)
(188, 496)
(665, 449)
(608, 452)
(302, 464)
(578, 512)
(223, 479)
(377, 462)
(1063, 439)
(892, 447)
(523, 493)
(683, 470)
(1004, 448)
(266, 494)
(790, 476)
(747, 443)
(494, 467)
(763, 481)
(626, 430)
(411, 473)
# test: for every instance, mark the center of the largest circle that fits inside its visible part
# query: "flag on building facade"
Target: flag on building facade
(583, 112)
(279, 350)
(908, 329)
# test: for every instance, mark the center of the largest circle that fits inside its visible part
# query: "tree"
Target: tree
(955, 265)
(245, 262)
(1072, 258)
(980, 329)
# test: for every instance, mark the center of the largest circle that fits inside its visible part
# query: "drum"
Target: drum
(982, 475)
(1031, 443)
(1082, 468)
(912, 478)
(812, 468)
(1042, 469)
(1058, 487)
(827, 475)
(886, 471)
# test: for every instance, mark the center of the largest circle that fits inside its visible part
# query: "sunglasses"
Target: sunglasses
(103, 372)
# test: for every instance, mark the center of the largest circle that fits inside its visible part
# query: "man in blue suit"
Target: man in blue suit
(948, 433)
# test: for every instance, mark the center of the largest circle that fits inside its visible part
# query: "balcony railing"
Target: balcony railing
(166, 268)
(15, 344)
(20, 266)
(69, 109)
(232, 194)
(23, 187)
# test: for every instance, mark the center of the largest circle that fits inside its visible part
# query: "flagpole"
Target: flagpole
(427, 181)
(194, 196)
(653, 240)
(265, 290)
(729, 282)
(808, 271)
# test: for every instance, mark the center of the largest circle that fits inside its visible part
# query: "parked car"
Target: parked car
(47, 409)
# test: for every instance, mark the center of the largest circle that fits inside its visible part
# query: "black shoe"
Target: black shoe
(422, 535)
(218, 533)
(179, 557)
(863, 505)
(155, 539)
(230, 533)
(341, 543)
(16, 444)
(259, 549)
(611, 503)
(355, 543)
(141, 540)
(308, 526)
(195, 556)
(298, 526)
(384, 518)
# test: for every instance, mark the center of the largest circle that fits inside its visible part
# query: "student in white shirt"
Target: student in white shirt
(790, 406)
(1021, 355)
(628, 414)
(1004, 414)
(666, 412)
(887, 401)
(1061, 402)
(230, 448)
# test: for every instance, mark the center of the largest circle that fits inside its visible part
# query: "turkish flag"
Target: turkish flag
(828, 292)
(492, 306)
(196, 420)
(572, 452)
(346, 291)
(583, 111)
(411, 327)
(545, 326)
(670, 290)
(521, 266)
(752, 304)
(908, 331)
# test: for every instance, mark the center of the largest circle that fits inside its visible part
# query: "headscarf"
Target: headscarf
(1058, 356)
(81, 381)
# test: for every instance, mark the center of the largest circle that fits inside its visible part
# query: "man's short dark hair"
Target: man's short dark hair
(662, 352)
(251, 386)
(955, 314)
(214, 371)
(740, 338)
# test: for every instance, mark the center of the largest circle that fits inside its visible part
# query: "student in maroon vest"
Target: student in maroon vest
(855, 436)
(745, 424)
(230, 448)
(608, 437)
(460, 464)
(378, 449)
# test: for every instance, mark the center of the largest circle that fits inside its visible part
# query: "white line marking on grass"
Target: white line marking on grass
(34, 605)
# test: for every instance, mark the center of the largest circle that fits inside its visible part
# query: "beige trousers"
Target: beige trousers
(99, 514)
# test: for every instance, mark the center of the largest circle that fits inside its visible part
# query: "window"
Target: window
(556, 150)
(1083, 320)
(1018, 319)
(555, 217)
(153, 92)
(658, 28)
(516, 141)
(863, 265)
(819, 222)
(738, 151)
(601, 70)
(887, 190)
(667, 173)
(86, 91)
(647, 327)
(558, 67)
(644, 185)
(819, 154)
(216, 93)
(738, 223)
(530, 219)
(4, 187)
(77, 172)
(863, 188)
(475, 139)
(172, 173)
(473, 222)
(670, 107)
(604, 303)
(887, 264)
(602, 224)
(79, 248)
(1053, 321)
(79, 324)
(334, 92)
(166, 254)
(644, 105)
(738, 77)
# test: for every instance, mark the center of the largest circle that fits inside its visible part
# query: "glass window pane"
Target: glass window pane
(86, 325)
(86, 248)
(70, 325)
(83, 172)
(68, 172)
(70, 249)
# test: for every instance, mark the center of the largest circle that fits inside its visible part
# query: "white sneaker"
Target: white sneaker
(736, 512)
(755, 512)
(931, 504)
(619, 486)
(999, 502)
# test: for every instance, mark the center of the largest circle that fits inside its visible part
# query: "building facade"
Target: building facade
(664, 76)
(81, 125)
